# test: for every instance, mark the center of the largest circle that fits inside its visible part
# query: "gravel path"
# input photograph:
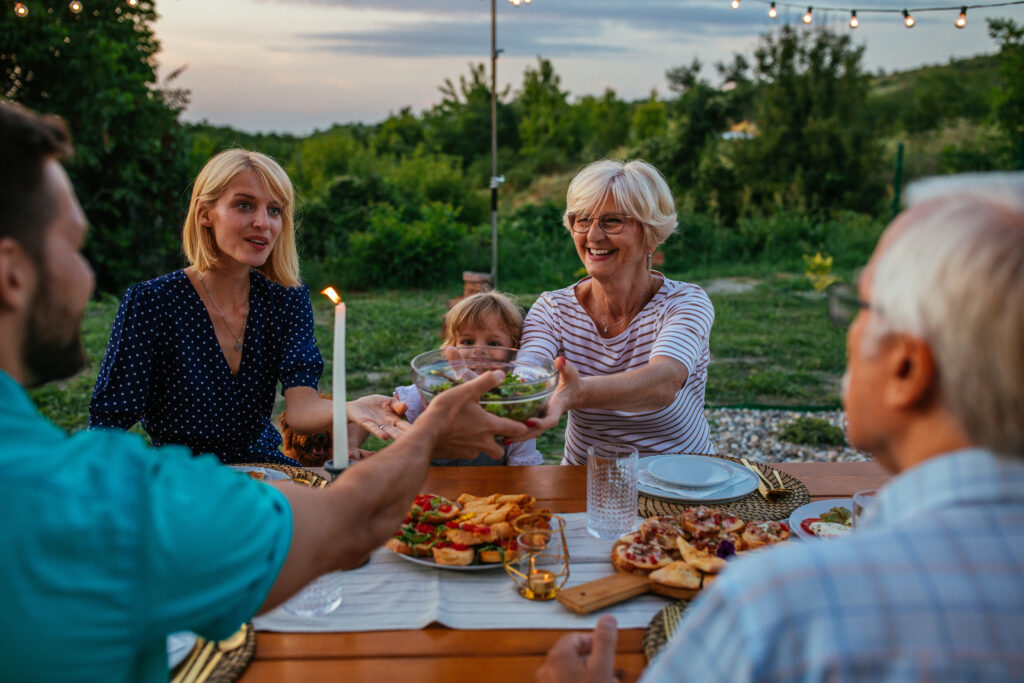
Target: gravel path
(751, 433)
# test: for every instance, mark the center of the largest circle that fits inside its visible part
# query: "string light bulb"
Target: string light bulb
(809, 17)
(133, 3)
(75, 6)
(908, 20)
(772, 12)
(854, 21)
(20, 9)
(961, 21)
(735, 4)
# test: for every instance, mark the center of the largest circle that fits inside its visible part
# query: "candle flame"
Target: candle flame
(332, 294)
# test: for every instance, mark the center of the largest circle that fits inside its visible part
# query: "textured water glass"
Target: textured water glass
(611, 489)
(320, 596)
(862, 502)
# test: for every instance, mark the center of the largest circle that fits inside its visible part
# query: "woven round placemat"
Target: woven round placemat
(662, 626)
(750, 507)
(226, 670)
(314, 479)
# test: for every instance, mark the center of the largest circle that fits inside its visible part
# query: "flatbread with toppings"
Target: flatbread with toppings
(683, 553)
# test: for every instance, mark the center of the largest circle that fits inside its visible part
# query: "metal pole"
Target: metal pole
(897, 181)
(494, 148)
(1020, 152)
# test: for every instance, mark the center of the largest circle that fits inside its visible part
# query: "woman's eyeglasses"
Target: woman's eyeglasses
(610, 223)
(844, 304)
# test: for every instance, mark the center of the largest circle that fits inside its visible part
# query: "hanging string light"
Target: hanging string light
(133, 3)
(907, 14)
(20, 9)
(75, 6)
(735, 4)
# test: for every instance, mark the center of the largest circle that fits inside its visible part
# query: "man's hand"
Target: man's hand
(583, 657)
(463, 428)
(379, 415)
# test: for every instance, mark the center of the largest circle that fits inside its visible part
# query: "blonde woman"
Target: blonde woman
(196, 355)
(632, 346)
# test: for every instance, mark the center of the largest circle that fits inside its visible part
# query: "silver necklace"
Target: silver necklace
(238, 338)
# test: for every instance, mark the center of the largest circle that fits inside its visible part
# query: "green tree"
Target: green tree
(650, 119)
(97, 70)
(813, 147)
(546, 125)
(1008, 98)
(603, 123)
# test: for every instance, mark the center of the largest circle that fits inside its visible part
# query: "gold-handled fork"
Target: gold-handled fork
(764, 485)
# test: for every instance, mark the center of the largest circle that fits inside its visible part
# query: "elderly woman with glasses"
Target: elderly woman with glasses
(630, 344)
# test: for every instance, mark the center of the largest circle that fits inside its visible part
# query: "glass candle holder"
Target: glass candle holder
(540, 565)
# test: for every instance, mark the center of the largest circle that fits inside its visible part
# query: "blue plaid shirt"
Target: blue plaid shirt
(933, 589)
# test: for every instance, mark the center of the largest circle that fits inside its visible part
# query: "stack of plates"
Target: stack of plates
(694, 479)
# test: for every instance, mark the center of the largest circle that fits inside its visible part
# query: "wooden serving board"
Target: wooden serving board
(613, 589)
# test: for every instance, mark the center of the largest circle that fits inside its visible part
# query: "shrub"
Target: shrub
(812, 431)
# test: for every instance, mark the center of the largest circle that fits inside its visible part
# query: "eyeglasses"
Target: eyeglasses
(844, 304)
(610, 223)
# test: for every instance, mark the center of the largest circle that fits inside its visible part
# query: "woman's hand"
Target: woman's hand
(378, 415)
(565, 397)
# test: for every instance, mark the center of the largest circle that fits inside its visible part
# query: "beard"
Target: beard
(53, 344)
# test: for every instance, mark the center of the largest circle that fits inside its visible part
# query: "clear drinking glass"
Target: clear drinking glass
(320, 596)
(539, 566)
(612, 494)
(862, 501)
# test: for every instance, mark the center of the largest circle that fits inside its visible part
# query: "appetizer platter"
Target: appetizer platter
(468, 533)
(675, 556)
(823, 519)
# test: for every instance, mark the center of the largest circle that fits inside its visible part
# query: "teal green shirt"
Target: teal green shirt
(107, 547)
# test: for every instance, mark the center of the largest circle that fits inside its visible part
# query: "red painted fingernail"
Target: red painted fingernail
(506, 442)
(530, 423)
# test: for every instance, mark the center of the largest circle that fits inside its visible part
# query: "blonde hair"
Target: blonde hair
(636, 187)
(282, 266)
(475, 309)
(955, 277)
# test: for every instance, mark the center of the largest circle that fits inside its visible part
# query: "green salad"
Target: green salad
(511, 389)
(837, 515)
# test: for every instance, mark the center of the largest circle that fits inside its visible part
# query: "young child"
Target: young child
(483, 319)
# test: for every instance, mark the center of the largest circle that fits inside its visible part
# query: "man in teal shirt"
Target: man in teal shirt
(106, 549)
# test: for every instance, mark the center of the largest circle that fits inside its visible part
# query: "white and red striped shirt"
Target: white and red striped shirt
(676, 323)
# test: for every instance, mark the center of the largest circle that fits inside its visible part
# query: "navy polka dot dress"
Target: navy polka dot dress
(165, 369)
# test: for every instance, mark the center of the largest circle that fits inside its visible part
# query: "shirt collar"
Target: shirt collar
(962, 477)
(15, 397)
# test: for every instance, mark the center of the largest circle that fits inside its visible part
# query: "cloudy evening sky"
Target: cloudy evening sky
(299, 65)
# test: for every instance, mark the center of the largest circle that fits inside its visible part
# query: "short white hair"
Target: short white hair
(953, 275)
(636, 187)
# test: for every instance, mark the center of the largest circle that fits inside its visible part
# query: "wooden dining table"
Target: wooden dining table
(439, 653)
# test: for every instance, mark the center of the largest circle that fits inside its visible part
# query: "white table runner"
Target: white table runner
(389, 593)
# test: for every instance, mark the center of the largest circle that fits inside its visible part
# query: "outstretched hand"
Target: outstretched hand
(563, 398)
(379, 415)
(583, 657)
(464, 429)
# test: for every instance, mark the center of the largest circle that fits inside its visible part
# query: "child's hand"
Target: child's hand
(378, 415)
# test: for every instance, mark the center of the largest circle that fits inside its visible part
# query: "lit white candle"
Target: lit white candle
(340, 416)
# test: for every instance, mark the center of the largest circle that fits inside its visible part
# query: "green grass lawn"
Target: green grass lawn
(771, 346)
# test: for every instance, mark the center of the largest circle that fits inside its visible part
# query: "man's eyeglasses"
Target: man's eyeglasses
(844, 304)
(610, 223)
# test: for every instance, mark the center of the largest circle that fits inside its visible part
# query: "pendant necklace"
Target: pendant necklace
(643, 302)
(238, 338)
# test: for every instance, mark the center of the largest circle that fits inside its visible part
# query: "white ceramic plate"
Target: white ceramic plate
(689, 471)
(814, 510)
(178, 646)
(429, 562)
(269, 474)
(741, 482)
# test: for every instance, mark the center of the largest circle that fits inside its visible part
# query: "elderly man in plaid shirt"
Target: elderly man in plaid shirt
(933, 588)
